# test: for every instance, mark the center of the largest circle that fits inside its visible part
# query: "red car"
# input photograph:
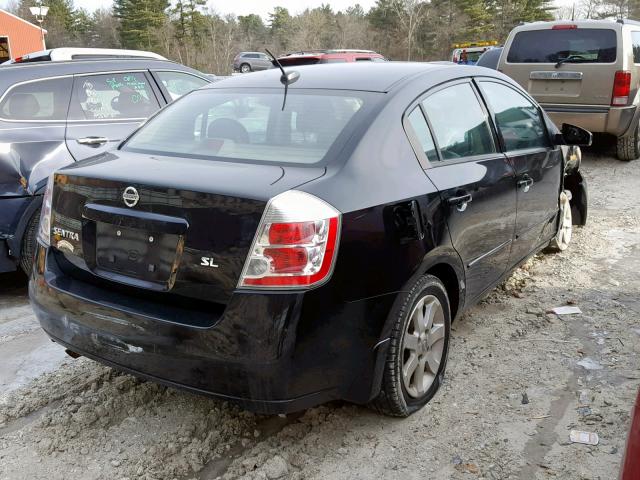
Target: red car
(631, 461)
(330, 56)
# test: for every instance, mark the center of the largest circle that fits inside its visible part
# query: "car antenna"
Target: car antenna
(286, 78)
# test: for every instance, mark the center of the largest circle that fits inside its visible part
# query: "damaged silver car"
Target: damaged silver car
(53, 113)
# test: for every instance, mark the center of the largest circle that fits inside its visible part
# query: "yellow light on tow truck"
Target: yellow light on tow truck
(489, 43)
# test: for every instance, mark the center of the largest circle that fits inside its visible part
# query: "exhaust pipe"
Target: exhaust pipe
(72, 354)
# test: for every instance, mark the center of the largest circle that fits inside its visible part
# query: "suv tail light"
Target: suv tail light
(621, 88)
(295, 245)
(44, 230)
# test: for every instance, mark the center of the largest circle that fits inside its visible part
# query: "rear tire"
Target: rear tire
(628, 148)
(245, 68)
(28, 248)
(418, 349)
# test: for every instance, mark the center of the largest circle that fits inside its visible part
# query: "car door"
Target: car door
(537, 164)
(263, 62)
(105, 108)
(475, 180)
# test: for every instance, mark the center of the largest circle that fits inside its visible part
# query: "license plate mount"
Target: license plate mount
(138, 254)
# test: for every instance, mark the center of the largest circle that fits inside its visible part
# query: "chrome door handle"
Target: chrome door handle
(460, 202)
(525, 183)
(93, 141)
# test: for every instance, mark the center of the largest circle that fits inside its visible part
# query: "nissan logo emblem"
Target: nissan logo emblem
(130, 197)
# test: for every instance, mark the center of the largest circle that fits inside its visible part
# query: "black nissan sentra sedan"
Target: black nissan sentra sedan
(280, 248)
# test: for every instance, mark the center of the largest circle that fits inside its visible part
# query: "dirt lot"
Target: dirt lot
(519, 379)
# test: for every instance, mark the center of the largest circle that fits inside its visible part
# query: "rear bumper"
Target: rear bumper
(270, 353)
(595, 118)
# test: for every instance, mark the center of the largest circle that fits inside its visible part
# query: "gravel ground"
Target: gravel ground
(518, 380)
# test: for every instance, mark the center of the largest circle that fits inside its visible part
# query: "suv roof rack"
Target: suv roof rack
(627, 21)
(66, 54)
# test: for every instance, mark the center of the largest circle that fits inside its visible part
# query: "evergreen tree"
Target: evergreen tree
(252, 29)
(280, 25)
(141, 22)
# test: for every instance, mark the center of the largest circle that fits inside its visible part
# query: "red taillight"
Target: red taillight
(564, 27)
(295, 245)
(291, 233)
(287, 260)
(621, 88)
(17, 59)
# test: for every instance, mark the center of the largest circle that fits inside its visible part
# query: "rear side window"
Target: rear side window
(422, 133)
(244, 125)
(635, 39)
(517, 119)
(42, 100)
(576, 45)
(179, 84)
(112, 96)
(459, 123)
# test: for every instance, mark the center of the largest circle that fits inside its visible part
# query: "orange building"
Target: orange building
(18, 37)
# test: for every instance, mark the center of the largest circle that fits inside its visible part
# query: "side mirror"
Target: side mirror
(572, 135)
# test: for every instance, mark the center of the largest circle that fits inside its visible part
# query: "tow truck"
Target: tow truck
(468, 53)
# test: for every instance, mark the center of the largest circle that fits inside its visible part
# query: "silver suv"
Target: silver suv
(54, 113)
(582, 72)
(246, 62)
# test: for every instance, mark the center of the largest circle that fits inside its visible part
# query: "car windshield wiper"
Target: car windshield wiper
(569, 58)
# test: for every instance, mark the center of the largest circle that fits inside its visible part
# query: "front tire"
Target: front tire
(628, 148)
(28, 248)
(418, 349)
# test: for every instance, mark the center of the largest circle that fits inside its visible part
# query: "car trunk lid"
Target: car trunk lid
(152, 226)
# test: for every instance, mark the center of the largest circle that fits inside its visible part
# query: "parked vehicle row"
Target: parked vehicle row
(56, 112)
(280, 246)
(246, 62)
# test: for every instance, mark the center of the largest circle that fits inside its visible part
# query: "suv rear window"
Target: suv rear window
(244, 125)
(578, 45)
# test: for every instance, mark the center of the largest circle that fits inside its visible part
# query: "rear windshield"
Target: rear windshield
(580, 45)
(247, 125)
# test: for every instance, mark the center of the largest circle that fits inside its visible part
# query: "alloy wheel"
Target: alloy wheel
(423, 346)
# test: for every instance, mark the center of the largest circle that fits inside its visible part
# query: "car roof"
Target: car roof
(73, 53)
(14, 73)
(372, 77)
(579, 23)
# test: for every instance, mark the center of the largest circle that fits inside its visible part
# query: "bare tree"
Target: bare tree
(410, 14)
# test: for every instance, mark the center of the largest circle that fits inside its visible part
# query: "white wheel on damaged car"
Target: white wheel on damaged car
(565, 225)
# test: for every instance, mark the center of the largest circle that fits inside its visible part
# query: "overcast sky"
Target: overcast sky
(261, 7)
